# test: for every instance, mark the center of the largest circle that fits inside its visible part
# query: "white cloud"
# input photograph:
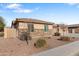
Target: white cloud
(13, 6)
(23, 11)
(18, 8)
(72, 4)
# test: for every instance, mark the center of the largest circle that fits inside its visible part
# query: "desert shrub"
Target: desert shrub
(57, 34)
(40, 43)
(25, 36)
(64, 38)
(73, 37)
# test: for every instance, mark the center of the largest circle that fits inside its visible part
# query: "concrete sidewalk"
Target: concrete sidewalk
(71, 49)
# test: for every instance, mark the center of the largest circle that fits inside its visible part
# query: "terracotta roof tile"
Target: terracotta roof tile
(29, 20)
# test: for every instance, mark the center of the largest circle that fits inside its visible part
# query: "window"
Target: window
(45, 28)
(30, 27)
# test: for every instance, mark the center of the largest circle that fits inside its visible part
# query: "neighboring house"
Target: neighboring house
(62, 29)
(73, 28)
(33, 26)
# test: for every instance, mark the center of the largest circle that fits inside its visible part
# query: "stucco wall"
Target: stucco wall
(77, 30)
(23, 26)
(50, 26)
(10, 33)
(38, 26)
(61, 31)
(38, 29)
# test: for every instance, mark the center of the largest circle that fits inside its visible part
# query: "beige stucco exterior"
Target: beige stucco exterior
(10, 33)
(63, 32)
(77, 30)
(74, 30)
(50, 26)
(23, 26)
(38, 26)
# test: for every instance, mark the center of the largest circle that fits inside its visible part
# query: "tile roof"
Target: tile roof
(29, 20)
(73, 25)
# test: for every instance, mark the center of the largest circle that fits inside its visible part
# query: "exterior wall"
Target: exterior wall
(10, 33)
(63, 32)
(54, 30)
(66, 30)
(38, 26)
(50, 26)
(39, 30)
(69, 30)
(50, 29)
(77, 30)
(23, 26)
(74, 30)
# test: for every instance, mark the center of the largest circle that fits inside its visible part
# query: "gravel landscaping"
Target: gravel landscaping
(16, 47)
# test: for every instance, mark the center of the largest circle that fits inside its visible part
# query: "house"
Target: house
(33, 26)
(61, 28)
(74, 28)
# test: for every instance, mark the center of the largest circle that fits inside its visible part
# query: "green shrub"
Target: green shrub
(57, 34)
(40, 43)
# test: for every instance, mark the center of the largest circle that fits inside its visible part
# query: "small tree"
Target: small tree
(25, 36)
(2, 24)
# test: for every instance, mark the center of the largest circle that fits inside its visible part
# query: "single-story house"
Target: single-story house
(61, 28)
(33, 26)
(73, 28)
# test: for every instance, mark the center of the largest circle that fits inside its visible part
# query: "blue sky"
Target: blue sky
(67, 13)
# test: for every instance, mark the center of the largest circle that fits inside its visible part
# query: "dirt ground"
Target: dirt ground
(16, 47)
